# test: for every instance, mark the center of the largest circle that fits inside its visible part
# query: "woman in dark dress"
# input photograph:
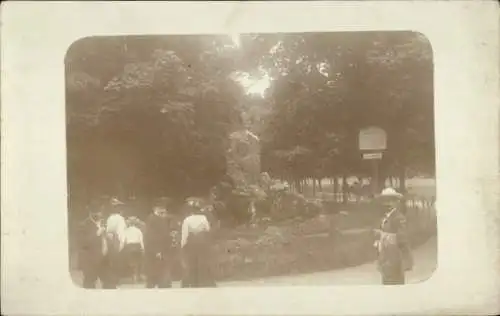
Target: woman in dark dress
(394, 255)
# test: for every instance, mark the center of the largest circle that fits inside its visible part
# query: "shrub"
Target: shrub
(296, 246)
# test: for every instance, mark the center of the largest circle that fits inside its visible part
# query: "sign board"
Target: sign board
(372, 156)
(372, 138)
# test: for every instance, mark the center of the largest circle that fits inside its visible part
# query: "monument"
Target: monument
(243, 158)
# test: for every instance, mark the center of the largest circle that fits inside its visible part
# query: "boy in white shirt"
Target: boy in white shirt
(134, 247)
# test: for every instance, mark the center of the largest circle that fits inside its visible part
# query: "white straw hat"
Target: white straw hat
(390, 193)
(116, 202)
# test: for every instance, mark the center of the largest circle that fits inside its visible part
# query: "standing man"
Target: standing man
(394, 255)
(92, 249)
(115, 236)
(158, 247)
(196, 246)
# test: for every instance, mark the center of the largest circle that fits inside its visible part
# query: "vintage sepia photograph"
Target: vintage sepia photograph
(251, 160)
(264, 158)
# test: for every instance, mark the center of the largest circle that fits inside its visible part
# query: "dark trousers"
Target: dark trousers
(96, 268)
(113, 268)
(114, 263)
(158, 272)
(393, 277)
(133, 257)
(197, 259)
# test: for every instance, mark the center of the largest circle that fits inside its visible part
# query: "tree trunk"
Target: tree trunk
(402, 170)
(314, 187)
(345, 196)
(381, 179)
(402, 180)
(297, 186)
(335, 188)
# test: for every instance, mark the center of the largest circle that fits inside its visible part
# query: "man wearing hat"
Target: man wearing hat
(196, 245)
(394, 256)
(93, 249)
(158, 247)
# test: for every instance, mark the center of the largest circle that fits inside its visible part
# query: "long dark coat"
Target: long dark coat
(394, 255)
(92, 248)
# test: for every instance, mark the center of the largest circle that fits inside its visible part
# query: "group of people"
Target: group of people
(110, 244)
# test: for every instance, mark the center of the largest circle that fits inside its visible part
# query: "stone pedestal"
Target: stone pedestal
(243, 158)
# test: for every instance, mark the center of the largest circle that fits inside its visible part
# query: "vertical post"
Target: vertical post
(375, 176)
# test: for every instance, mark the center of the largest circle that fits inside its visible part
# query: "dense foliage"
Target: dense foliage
(151, 115)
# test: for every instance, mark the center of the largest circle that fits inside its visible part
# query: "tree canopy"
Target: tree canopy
(152, 115)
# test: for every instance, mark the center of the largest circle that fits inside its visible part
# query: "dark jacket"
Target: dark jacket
(396, 254)
(157, 238)
(91, 247)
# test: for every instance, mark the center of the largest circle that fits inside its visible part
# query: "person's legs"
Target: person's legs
(204, 259)
(106, 273)
(393, 278)
(199, 263)
(189, 267)
(122, 265)
(111, 274)
(150, 282)
(151, 272)
(90, 276)
(208, 270)
(140, 265)
(185, 282)
(103, 272)
(133, 260)
(202, 272)
(125, 260)
(137, 260)
(165, 277)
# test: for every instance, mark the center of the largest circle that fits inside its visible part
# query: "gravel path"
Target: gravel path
(425, 262)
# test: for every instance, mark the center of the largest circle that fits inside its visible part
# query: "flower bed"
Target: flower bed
(306, 247)
(281, 253)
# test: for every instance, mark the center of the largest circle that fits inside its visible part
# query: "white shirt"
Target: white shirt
(133, 235)
(117, 225)
(194, 224)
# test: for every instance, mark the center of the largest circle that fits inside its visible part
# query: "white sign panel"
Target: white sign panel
(372, 156)
(372, 138)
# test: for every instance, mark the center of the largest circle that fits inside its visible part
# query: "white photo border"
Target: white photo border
(35, 38)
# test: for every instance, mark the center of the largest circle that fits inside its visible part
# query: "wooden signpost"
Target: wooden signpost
(372, 143)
